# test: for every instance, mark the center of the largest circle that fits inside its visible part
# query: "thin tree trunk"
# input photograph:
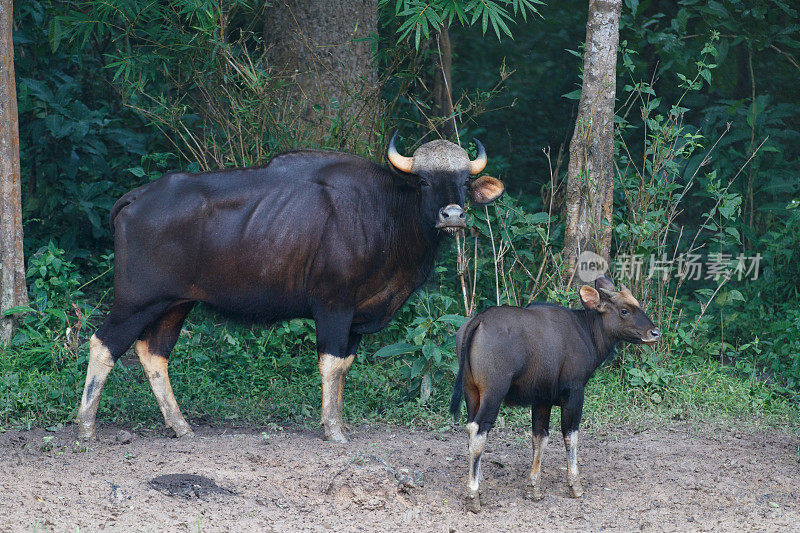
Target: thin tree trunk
(443, 82)
(590, 174)
(12, 268)
(324, 46)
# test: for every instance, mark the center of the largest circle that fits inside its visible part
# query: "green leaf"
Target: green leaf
(137, 171)
(734, 295)
(18, 310)
(417, 367)
(432, 352)
(397, 348)
(539, 218)
(456, 320)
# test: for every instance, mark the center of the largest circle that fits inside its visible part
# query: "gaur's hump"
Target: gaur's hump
(321, 156)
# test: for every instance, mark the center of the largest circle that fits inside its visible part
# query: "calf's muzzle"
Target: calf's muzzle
(652, 336)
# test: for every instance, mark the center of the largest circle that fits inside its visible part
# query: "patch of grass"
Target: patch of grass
(257, 376)
(698, 391)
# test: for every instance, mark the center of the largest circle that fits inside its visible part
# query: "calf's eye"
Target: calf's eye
(624, 312)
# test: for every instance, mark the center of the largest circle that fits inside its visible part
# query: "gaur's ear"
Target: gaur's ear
(485, 190)
(590, 298)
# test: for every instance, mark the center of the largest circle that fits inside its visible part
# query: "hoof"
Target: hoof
(336, 436)
(533, 493)
(474, 503)
(187, 434)
(575, 490)
(183, 430)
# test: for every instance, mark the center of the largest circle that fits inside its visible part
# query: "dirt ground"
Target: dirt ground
(673, 478)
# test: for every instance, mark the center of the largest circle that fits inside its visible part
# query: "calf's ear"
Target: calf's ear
(485, 190)
(590, 298)
(604, 283)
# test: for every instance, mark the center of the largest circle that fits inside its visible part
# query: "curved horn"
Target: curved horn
(480, 162)
(398, 161)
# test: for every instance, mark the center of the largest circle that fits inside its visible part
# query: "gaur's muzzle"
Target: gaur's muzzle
(452, 218)
(652, 336)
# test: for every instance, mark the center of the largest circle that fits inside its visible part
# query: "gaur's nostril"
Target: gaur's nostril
(451, 212)
(452, 216)
(655, 332)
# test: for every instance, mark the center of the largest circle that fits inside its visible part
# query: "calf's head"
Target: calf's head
(442, 172)
(623, 317)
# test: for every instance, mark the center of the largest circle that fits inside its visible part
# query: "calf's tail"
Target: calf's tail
(463, 342)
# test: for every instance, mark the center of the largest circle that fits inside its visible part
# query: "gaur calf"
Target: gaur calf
(540, 355)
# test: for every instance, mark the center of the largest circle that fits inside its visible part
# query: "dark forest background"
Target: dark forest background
(707, 145)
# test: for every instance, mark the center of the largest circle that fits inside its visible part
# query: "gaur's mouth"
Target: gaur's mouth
(450, 228)
(650, 341)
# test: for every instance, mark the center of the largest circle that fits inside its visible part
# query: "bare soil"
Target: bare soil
(673, 478)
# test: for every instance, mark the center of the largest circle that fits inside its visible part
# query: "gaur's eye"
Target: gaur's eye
(424, 183)
(624, 313)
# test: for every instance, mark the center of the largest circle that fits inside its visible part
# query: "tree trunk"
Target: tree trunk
(590, 174)
(12, 268)
(324, 46)
(443, 83)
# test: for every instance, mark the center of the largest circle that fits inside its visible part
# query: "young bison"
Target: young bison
(540, 355)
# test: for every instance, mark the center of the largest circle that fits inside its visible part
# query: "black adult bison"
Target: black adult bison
(313, 234)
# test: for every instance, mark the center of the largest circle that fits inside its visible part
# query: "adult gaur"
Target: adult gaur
(313, 234)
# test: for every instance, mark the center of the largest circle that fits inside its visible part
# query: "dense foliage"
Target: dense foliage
(112, 95)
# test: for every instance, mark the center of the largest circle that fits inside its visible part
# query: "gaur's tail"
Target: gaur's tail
(463, 342)
(124, 201)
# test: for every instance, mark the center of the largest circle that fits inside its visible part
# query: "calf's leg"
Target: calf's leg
(571, 413)
(478, 431)
(153, 349)
(540, 434)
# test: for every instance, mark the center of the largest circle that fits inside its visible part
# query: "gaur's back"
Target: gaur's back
(536, 345)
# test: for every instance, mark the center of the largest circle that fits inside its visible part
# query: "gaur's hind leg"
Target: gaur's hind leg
(478, 431)
(100, 363)
(540, 433)
(571, 413)
(120, 328)
(336, 350)
(153, 348)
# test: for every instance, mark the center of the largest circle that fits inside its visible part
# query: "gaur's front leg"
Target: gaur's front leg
(571, 413)
(336, 350)
(540, 433)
